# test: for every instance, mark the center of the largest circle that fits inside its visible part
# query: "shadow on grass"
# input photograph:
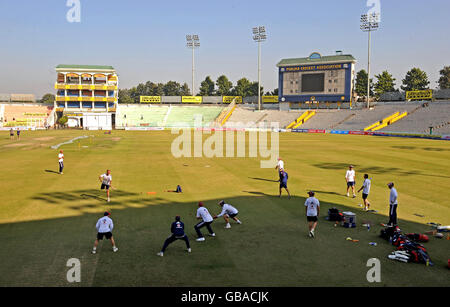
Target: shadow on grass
(271, 247)
(50, 171)
(263, 179)
(374, 169)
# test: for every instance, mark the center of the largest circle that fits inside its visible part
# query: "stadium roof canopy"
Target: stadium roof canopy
(83, 68)
(316, 58)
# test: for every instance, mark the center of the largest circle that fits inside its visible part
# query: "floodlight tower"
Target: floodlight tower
(192, 42)
(369, 23)
(259, 35)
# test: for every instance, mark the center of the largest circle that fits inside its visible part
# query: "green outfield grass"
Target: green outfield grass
(47, 218)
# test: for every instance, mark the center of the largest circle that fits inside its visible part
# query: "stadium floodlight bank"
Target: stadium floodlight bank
(87, 95)
(316, 78)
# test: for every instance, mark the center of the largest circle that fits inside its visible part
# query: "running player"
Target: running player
(203, 214)
(106, 181)
(228, 211)
(312, 207)
(61, 161)
(177, 230)
(283, 182)
(366, 189)
(104, 227)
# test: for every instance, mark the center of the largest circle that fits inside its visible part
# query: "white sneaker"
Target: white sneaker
(109, 200)
(348, 194)
(160, 254)
(188, 250)
(212, 234)
(94, 251)
(227, 226)
(312, 233)
(115, 249)
(239, 222)
(200, 239)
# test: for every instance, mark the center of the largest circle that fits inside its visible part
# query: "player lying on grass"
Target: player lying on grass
(312, 207)
(366, 189)
(104, 227)
(283, 182)
(177, 230)
(203, 214)
(106, 181)
(228, 211)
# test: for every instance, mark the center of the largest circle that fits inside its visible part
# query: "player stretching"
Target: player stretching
(227, 212)
(61, 161)
(280, 165)
(177, 230)
(106, 180)
(104, 227)
(203, 214)
(312, 207)
(350, 178)
(366, 189)
(283, 182)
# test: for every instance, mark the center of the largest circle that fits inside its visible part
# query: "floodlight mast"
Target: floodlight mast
(369, 23)
(259, 35)
(192, 42)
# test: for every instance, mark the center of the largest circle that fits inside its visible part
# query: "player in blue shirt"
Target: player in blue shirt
(283, 182)
(177, 230)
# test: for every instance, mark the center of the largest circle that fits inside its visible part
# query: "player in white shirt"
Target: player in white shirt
(312, 207)
(393, 203)
(106, 180)
(227, 212)
(350, 179)
(104, 227)
(280, 165)
(61, 161)
(207, 219)
(366, 190)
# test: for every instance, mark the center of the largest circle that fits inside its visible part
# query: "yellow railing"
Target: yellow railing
(63, 86)
(386, 121)
(301, 120)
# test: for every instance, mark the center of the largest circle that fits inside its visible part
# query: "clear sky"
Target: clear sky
(145, 40)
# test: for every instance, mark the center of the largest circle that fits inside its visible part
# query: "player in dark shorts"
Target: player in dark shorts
(283, 182)
(104, 228)
(177, 230)
(18, 134)
(11, 134)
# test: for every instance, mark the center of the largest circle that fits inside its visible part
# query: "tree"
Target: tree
(63, 120)
(242, 87)
(444, 80)
(185, 91)
(361, 83)
(224, 86)
(385, 83)
(272, 93)
(253, 90)
(207, 87)
(48, 98)
(415, 80)
(172, 88)
(124, 96)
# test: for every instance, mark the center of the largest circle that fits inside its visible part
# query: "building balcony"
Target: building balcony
(76, 98)
(65, 86)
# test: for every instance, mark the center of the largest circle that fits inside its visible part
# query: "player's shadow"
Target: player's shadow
(263, 179)
(50, 171)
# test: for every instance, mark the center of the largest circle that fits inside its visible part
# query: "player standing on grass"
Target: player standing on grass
(312, 207)
(106, 180)
(11, 134)
(283, 182)
(61, 161)
(350, 179)
(392, 205)
(207, 219)
(227, 212)
(104, 227)
(177, 230)
(366, 189)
